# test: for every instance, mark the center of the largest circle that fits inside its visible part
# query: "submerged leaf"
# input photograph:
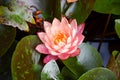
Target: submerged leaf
(7, 36)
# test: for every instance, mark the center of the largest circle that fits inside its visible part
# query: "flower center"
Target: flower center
(60, 37)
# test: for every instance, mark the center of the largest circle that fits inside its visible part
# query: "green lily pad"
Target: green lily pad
(25, 60)
(88, 58)
(7, 36)
(98, 74)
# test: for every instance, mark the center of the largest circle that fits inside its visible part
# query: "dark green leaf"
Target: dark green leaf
(107, 6)
(5, 63)
(57, 9)
(80, 10)
(87, 59)
(67, 74)
(117, 27)
(98, 74)
(25, 60)
(7, 36)
(50, 71)
(52, 9)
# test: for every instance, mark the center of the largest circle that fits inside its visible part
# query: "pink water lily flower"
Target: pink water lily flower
(60, 39)
(70, 1)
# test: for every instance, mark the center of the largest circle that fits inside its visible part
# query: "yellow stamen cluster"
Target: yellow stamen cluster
(60, 37)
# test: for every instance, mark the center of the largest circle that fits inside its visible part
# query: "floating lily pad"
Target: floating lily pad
(25, 65)
(98, 74)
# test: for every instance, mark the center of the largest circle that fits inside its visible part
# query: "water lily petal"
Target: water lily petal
(70, 1)
(67, 46)
(52, 47)
(55, 26)
(75, 41)
(74, 24)
(64, 56)
(48, 46)
(61, 44)
(73, 33)
(65, 26)
(42, 35)
(81, 28)
(42, 49)
(63, 50)
(47, 27)
(77, 52)
(69, 39)
(73, 27)
(80, 39)
(72, 50)
(52, 52)
(55, 47)
(49, 58)
(55, 22)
